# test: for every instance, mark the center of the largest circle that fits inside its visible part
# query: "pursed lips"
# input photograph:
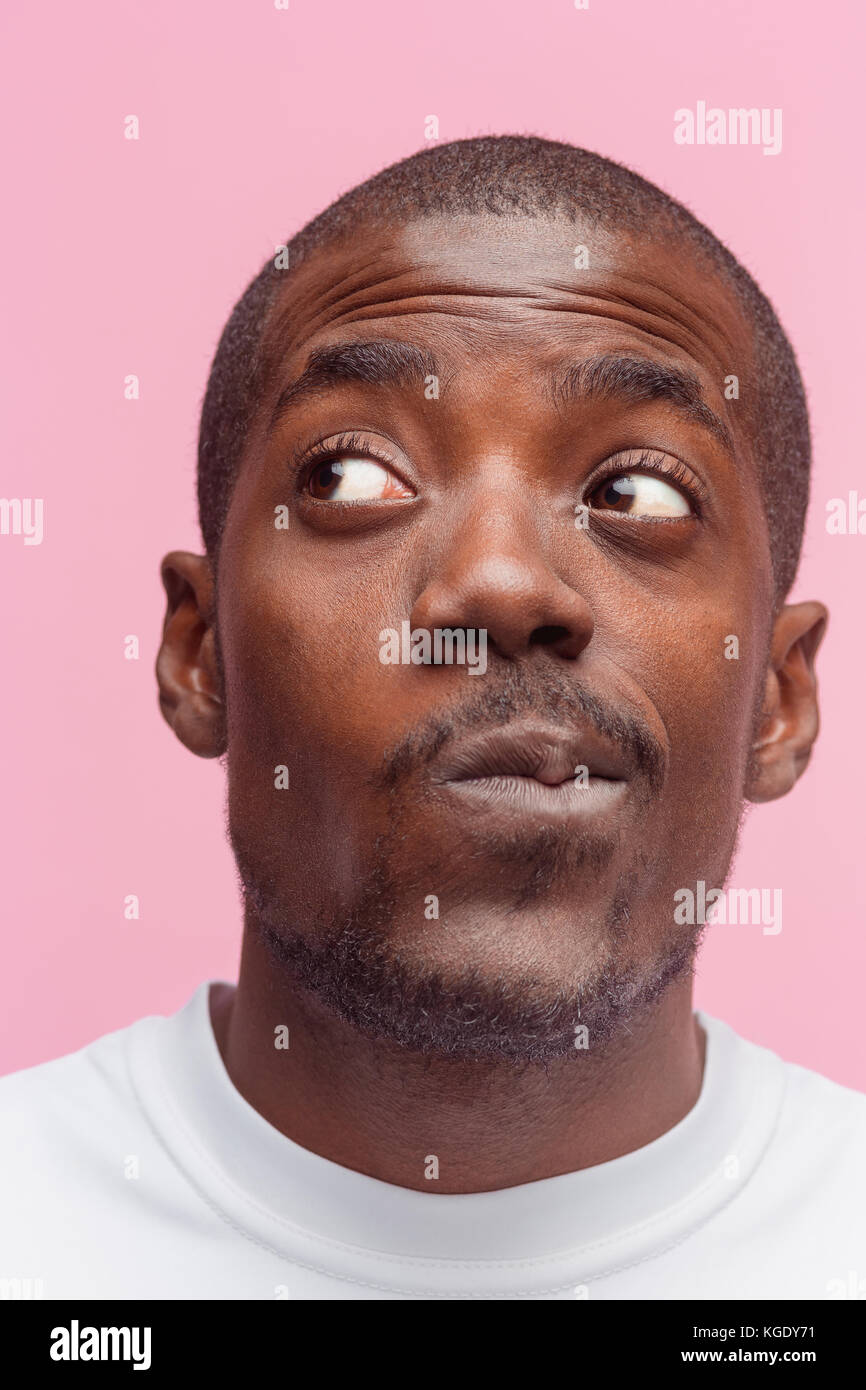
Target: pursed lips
(546, 755)
(538, 772)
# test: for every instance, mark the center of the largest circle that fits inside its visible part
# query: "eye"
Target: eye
(355, 480)
(640, 495)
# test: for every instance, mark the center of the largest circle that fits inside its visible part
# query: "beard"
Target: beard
(352, 962)
(354, 970)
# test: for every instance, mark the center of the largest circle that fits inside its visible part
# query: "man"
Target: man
(503, 470)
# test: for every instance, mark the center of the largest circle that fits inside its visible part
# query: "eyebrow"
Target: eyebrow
(383, 363)
(636, 380)
(610, 376)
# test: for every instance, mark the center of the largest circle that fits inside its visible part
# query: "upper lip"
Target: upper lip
(550, 755)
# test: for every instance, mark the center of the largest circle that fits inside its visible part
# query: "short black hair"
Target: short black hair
(527, 176)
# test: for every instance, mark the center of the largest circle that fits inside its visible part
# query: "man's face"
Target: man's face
(502, 844)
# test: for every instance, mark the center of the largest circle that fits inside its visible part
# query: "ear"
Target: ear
(187, 669)
(789, 716)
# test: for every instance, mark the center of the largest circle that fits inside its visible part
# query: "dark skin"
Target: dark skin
(466, 519)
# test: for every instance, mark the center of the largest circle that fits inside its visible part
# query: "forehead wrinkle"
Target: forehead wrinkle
(662, 325)
(672, 306)
(651, 325)
(300, 300)
(358, 289)
(351, 311)
(345, 289)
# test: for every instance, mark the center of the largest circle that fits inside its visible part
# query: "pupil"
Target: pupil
(328, 473)
(618, 491)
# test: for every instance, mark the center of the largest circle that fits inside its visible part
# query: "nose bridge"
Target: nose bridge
(493, 569)
(498, 528)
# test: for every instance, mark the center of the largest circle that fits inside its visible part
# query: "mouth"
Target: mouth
(535, 772)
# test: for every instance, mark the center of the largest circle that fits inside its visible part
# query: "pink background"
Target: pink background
(126, 257)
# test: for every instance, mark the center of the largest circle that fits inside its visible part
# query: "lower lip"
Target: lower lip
(528, 799)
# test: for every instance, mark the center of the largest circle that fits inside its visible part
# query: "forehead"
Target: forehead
(490, 294)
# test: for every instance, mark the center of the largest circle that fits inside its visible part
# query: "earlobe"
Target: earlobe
(788, 724)
(187, 669)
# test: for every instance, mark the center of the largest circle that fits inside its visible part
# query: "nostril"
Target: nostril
(548, 636)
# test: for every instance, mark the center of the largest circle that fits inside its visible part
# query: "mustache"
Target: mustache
(518, 692)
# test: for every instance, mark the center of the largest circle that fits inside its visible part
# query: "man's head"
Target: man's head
(504, 387)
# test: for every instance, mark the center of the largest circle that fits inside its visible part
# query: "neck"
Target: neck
(380, 1110)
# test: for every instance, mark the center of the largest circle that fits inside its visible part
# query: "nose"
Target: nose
(495, 574)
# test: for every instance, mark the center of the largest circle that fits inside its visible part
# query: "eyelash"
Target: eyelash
(306, 461)
(649, 462)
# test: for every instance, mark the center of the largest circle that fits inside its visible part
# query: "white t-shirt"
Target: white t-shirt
(134, 1169)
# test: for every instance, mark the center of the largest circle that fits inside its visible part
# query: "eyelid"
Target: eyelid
(305, 458)
(656, 462)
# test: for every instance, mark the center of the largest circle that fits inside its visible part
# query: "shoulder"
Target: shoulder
(809, 1100)
(823, 1119)
(84, 1178)
(49, 1110)
(810, 1175)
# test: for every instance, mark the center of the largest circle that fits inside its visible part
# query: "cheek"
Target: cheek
(705, 692)
(305, 686)
(302, 736)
